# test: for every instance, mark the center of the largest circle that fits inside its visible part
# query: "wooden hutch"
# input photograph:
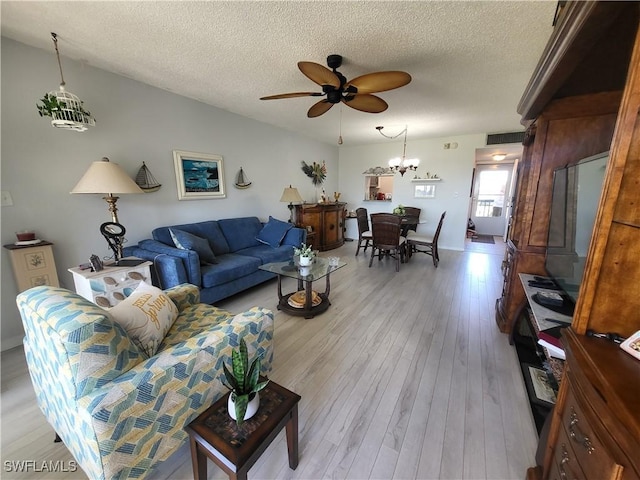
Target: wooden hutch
(583, 99)
(326, 222)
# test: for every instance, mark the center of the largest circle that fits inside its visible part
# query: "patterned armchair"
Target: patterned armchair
(118, 411)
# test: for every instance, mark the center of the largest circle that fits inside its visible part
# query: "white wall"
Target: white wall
(135, 123)
(453, 166)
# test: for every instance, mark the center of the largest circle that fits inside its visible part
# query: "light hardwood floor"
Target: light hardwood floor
(405, 376)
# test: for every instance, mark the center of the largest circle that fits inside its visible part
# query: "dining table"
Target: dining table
(407, 222)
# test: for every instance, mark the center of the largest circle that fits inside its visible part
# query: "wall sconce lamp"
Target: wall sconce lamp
(401, 164)
(291, 195)
(108, 178)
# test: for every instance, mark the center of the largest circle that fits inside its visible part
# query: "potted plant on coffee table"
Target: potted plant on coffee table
(244, 382)
(305, 253)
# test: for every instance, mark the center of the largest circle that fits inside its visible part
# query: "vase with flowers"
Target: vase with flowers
(305, 254)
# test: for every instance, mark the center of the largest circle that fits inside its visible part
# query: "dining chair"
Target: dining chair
(386, 229)
(364, 232)
(428, 244)
(411, 220)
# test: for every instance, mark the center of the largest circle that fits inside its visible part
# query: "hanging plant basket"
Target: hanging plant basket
(66, 111)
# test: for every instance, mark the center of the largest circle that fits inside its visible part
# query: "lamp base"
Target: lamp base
(290, 213)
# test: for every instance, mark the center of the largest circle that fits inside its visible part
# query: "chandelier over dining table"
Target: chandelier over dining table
(401, 164)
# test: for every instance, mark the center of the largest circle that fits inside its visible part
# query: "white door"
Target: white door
(510, 199)
(490, 198)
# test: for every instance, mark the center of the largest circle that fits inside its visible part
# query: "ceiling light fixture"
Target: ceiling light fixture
(401, 164)
(498, 157)
(65, 109)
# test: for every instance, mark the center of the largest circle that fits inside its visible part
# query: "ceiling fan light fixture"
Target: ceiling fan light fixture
(355, 93)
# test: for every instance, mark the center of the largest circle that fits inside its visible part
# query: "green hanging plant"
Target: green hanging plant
(316, 172)
(51, 104)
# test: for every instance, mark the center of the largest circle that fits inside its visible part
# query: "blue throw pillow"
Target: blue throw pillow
(188, 241)
(273, 232)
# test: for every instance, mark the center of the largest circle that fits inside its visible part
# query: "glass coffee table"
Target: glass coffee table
(305, 302)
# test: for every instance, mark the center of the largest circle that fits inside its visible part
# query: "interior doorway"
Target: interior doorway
(490, 198)
(492, 189)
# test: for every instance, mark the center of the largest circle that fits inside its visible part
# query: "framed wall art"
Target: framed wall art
(199, 176)
(424, 190)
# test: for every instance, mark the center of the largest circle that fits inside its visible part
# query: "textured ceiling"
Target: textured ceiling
(470, 61)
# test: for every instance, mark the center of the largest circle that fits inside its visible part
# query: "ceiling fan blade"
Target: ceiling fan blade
(379, 81)
(366, 103)
(319, 74)
(292, 95)
(319, 108)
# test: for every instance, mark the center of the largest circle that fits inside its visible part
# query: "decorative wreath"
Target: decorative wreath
(316, 172)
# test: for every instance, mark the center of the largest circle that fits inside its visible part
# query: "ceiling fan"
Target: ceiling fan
(355, 93)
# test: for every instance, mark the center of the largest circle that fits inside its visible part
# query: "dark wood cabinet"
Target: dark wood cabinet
(327, 222)
(584, 98)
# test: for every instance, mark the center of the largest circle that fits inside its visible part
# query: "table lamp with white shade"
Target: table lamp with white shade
(108, 179)
(291, 195)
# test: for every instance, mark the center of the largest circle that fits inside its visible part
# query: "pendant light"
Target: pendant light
(401, 164)
(65, 109)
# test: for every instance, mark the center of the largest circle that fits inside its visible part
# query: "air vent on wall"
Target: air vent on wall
(506, 137)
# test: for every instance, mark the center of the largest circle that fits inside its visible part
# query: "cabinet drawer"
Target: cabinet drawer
(565, 460)
(589, 451)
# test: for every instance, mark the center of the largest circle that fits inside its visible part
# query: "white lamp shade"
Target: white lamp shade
(104, 177)
(291, 195)
(395, 162)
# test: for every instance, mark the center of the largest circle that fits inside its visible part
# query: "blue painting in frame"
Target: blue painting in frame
(199, 176)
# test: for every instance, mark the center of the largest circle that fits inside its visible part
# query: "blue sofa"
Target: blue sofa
(237, 254)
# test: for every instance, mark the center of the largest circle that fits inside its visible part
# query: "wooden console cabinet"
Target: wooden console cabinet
(585, 89)
(327, 221)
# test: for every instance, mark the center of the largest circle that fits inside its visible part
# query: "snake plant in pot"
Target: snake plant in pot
(244, 382)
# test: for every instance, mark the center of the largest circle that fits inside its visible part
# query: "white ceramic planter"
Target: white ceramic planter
(304, 271)
(252, 407)
(305, 261)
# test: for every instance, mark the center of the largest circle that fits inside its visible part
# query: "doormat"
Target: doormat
(483, 239)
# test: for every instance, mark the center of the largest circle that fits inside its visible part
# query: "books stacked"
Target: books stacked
(552, 344)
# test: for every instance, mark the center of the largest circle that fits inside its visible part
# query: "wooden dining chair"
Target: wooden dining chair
(386, 229)
(412, 218)
(364, 232)
(428, 244)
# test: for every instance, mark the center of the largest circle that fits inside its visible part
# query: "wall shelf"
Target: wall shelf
(419, 180)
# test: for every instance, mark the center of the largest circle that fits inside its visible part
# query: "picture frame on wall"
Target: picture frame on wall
(199, 176)
(424, 190)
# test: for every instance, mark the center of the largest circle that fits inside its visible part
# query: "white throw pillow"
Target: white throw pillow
(147, 315)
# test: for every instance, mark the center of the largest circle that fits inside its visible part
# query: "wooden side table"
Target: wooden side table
(33, 265)
(214, 434)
